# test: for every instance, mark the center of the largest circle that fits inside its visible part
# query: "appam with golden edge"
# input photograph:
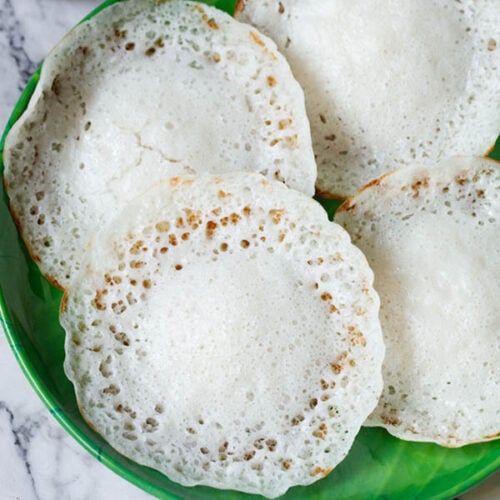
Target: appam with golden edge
(223, 331)
(389, 83)
(143, 91)
(431, 236)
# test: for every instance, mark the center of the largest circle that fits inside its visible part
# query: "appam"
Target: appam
(143, 91)
(389, 83)
(224, 332)
(431, 236)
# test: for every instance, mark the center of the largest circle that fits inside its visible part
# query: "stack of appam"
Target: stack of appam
(409, 84)
(218, 327)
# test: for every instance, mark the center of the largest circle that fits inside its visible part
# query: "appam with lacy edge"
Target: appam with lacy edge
(223, 331)
(431, 236)
(143, 91)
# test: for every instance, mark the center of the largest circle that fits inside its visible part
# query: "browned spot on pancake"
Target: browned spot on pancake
(276, 214)
(390, 420)
(319, 471)
(419, 184)
(210, 229)
(271, 81)
(256, 38)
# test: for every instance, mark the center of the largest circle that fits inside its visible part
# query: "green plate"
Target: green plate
(378, 466)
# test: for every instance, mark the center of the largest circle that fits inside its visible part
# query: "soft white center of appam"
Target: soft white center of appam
(229, 344)
(418, 79)
(173, 121)
(451, 299)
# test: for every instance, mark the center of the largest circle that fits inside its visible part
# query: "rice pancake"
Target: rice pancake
(224, 332)
(431, 236)
(143, 91)
(389, 83)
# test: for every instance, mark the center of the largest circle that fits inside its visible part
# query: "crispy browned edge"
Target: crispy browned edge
(64, 301)
(328, 195)
(240, 7)
(483, 439)
(31, 253)
(489, 150)
(346, 206)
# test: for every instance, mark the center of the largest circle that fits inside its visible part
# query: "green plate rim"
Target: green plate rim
(30, 372)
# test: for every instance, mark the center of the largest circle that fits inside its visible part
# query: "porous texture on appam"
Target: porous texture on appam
(431, 236)
(143, 91)
(224, 332)
(389, 83)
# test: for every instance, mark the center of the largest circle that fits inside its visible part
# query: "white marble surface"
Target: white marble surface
(38, 460)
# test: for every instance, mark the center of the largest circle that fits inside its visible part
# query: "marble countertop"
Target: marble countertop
(38, 459)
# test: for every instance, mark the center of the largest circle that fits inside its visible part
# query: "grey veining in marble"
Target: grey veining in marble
(10, 26)
(28, 30)
(38, 459)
